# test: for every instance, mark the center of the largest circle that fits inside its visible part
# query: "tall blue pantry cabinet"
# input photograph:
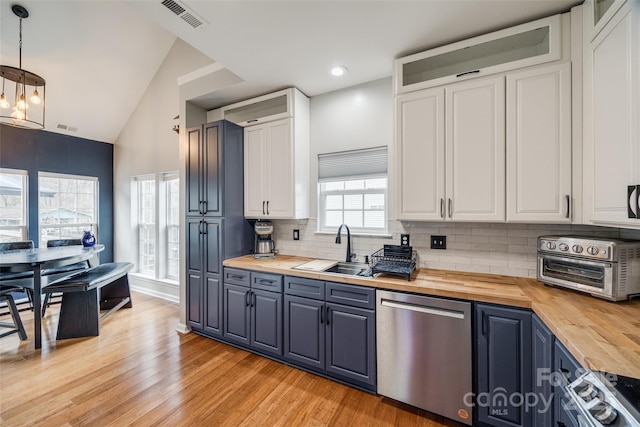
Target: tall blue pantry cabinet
(215, 224)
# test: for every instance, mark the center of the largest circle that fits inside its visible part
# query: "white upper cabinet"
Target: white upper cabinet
(539, 144)
(521, 46)
(419, 155)
(600, 13)
(263, 109)
(450, 153)
(475, 150)
(612, 118)
(276, 165)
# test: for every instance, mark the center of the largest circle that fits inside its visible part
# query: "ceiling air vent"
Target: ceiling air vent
(184, 13)
(67, 128)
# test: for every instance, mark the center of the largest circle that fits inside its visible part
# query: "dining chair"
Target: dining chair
(64, 269)
(16, 326)
(13, 246)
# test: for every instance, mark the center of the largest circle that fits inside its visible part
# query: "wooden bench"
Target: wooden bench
(86, 293)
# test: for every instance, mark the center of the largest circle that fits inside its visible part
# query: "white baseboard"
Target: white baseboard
(183, 329)
(169, 291)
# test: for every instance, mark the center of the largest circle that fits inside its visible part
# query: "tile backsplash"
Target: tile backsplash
(506, 249)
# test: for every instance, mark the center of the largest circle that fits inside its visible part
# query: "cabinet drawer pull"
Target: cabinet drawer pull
(467, 72)
(266, 281)
(568, 206)
(235, 277)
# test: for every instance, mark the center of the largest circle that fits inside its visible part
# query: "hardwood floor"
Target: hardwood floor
(140, 371)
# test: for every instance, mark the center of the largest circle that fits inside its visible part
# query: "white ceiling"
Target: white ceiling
(110, 50)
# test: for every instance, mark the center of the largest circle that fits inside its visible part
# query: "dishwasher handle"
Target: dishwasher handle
(422, 309)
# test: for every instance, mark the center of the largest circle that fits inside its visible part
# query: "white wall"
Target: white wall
(348, 119)
(148, 145)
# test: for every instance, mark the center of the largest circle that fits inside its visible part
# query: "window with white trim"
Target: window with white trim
(146, 210)
(156, 200)
(67, 205)
(13, 205)
(352, 189)
(172, 194)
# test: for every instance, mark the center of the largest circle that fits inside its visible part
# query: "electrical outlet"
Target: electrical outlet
(404, 240)
(296, 234)
(438, 242)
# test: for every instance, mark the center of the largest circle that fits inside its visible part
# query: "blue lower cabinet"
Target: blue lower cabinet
(333, 339)
(351, 343)
(266, 321)
(253, 317)
(503, 366)
(304, 331)
(567, 369)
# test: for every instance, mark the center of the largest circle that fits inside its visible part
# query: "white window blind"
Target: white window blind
(368, 162)
(352, 189)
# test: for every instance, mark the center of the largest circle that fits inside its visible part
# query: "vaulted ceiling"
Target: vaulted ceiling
(98, 57)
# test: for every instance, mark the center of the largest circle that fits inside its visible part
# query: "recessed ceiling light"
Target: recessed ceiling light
(338, 70)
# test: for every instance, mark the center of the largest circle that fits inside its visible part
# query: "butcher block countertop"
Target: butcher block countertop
(601, 335)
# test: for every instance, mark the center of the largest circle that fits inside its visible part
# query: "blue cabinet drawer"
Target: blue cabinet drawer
(355, 296)
(236, 276)
(308, 288)
(266, 281)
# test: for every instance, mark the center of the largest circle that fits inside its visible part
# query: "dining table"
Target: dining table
(37, 260)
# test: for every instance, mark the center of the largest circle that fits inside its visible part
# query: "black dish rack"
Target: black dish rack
(395, 260)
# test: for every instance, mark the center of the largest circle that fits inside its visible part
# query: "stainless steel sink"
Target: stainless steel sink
(350, 269)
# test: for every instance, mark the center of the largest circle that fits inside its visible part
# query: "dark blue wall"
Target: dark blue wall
(38, 150)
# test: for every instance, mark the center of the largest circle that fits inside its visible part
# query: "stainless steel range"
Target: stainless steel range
(604, 268)
(606, 400)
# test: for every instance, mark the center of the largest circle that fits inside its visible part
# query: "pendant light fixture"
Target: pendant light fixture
(22, 104)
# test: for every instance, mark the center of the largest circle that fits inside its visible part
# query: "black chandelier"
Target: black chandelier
(15, 108)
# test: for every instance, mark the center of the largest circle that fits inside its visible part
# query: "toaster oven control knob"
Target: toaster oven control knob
(551, 245)
(563, 247)
(577, 249)
(592, 250)
(604, 413)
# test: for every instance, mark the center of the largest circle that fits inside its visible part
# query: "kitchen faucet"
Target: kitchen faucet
(339, 241)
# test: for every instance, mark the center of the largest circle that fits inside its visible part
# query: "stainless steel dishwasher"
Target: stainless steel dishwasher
(424, 353)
